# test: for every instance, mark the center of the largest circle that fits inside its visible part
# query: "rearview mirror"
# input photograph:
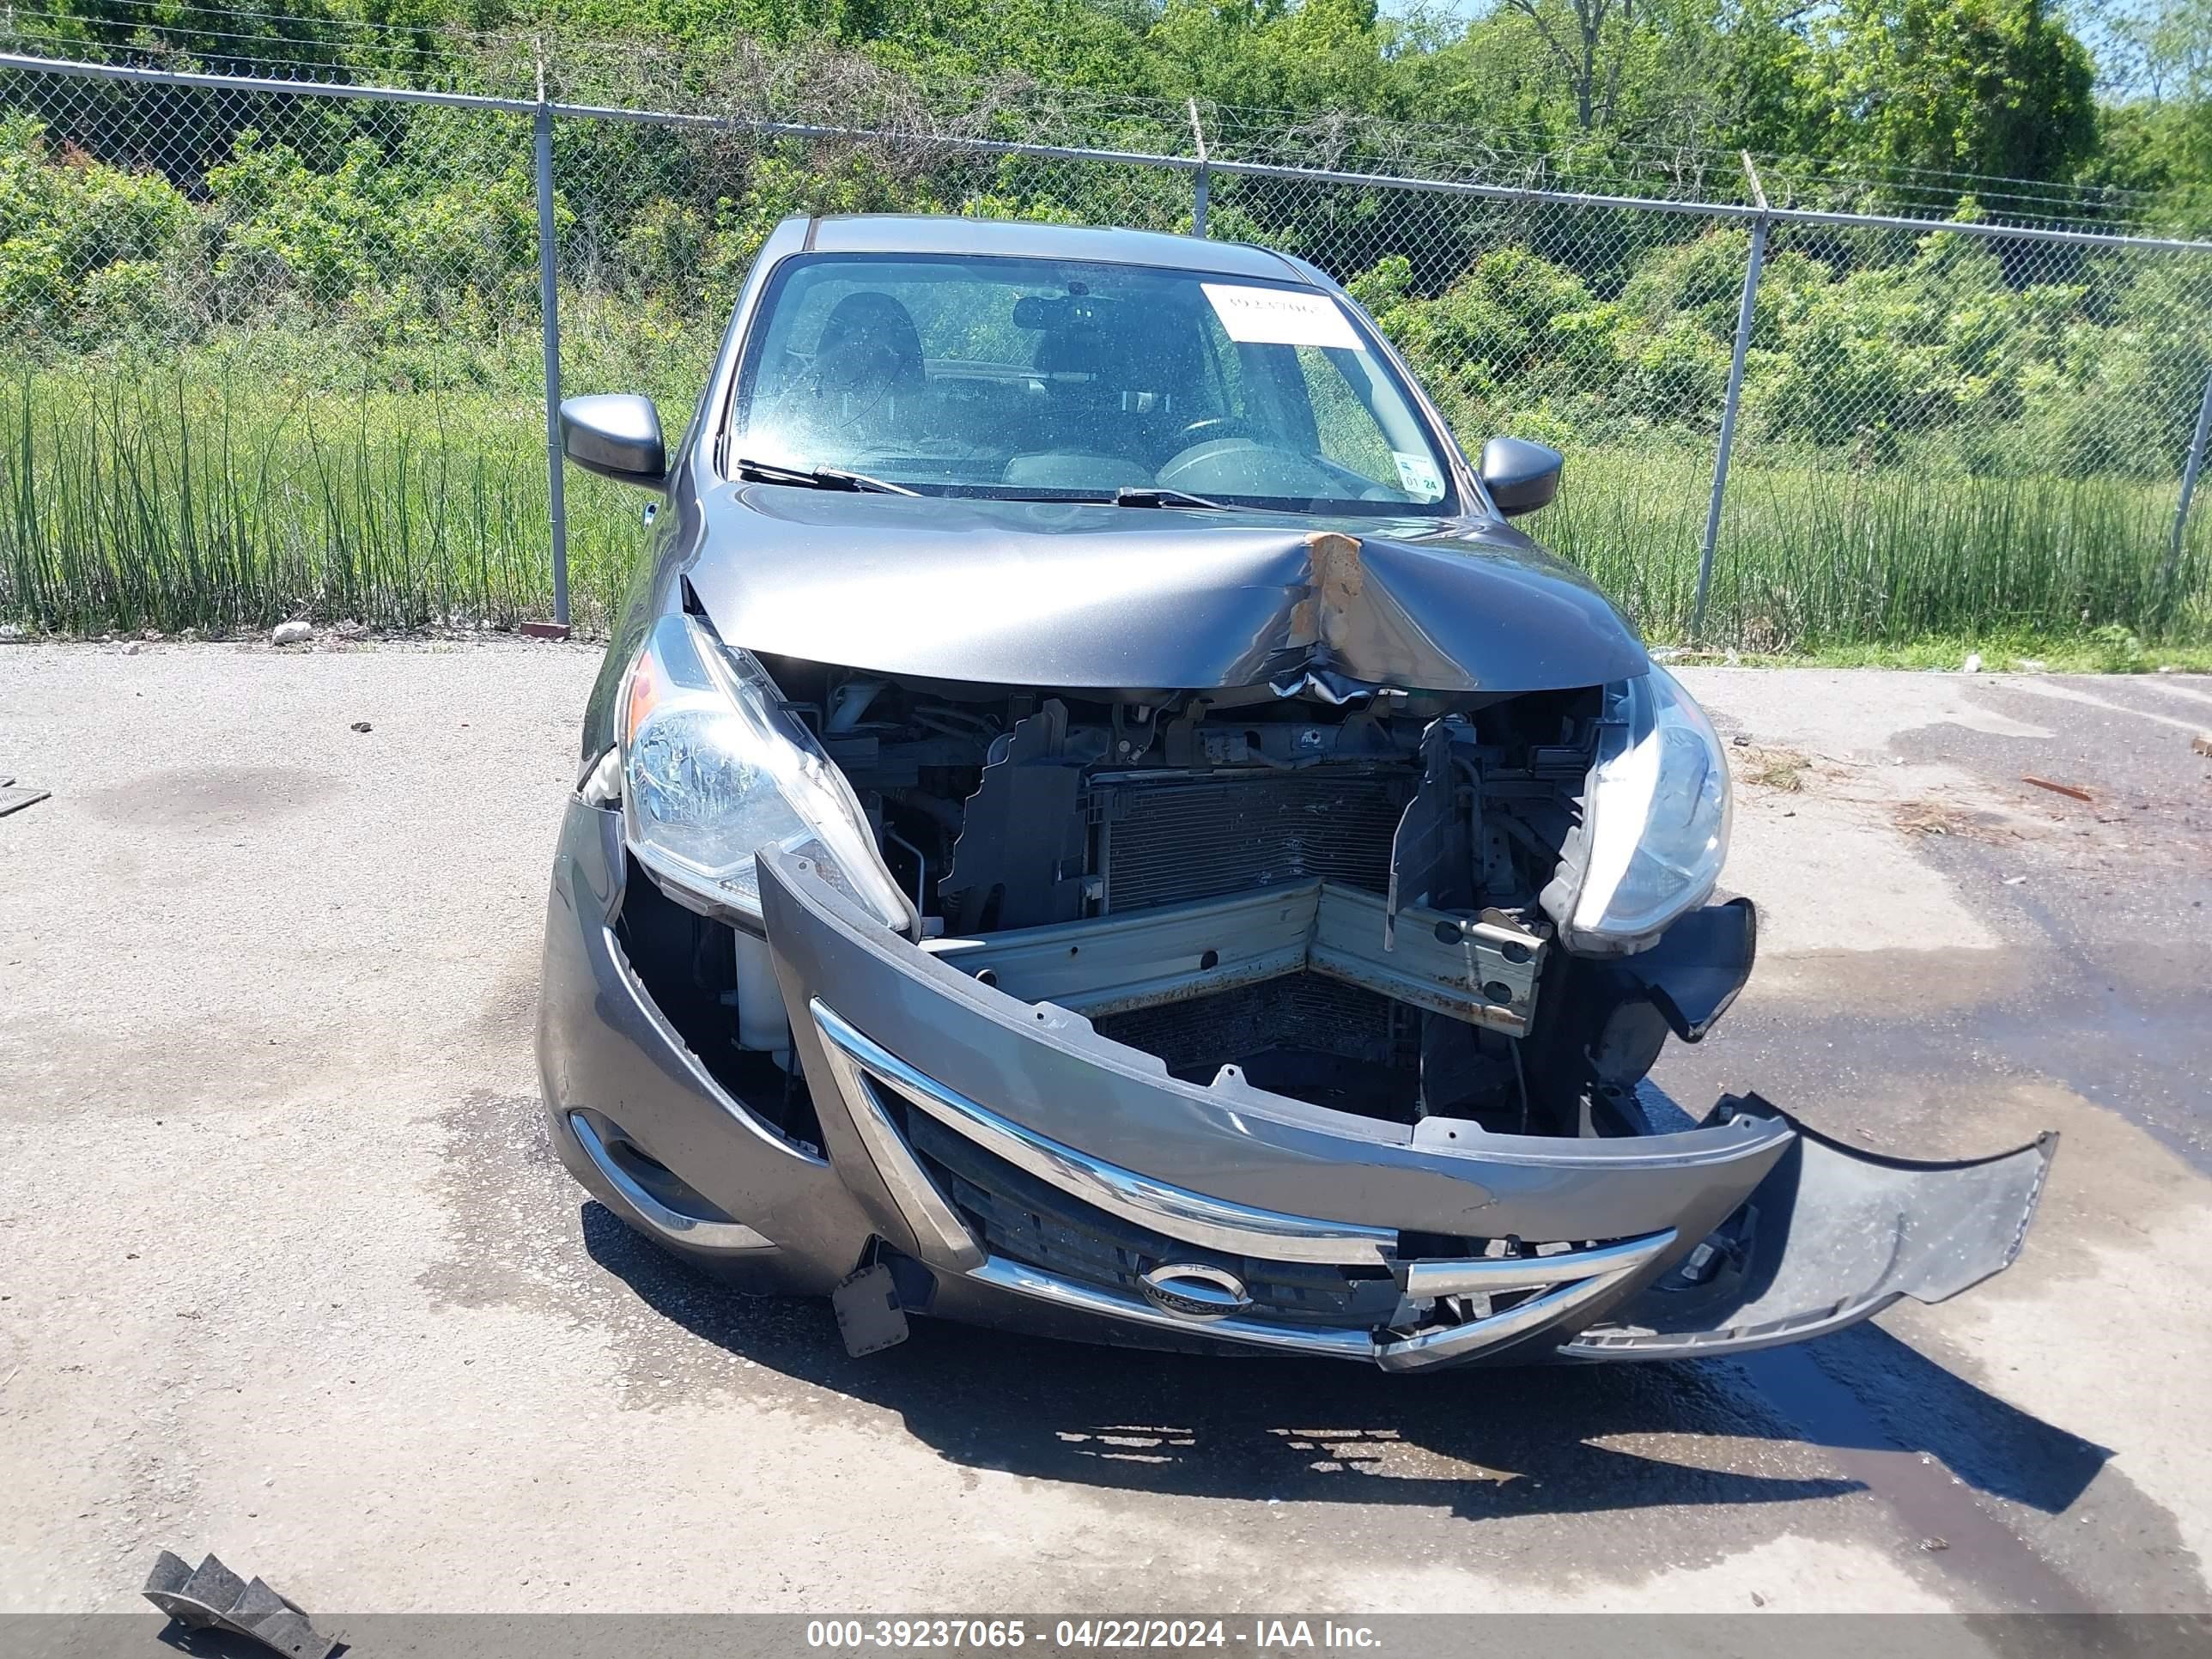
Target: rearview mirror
(1043, 311)
(616, 435)
(1521, 476)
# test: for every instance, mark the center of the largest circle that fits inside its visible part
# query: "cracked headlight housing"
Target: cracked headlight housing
(1655, 829)
(716, 771)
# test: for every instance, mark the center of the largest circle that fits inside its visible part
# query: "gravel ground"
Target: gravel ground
(286, 1271)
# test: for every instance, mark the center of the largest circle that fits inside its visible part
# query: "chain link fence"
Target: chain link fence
(278, 347)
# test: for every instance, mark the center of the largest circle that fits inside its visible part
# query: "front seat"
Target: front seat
(869, 348)
(1072, 363)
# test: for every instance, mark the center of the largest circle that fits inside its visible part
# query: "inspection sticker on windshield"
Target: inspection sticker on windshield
(1419, 476)
(1281, 316)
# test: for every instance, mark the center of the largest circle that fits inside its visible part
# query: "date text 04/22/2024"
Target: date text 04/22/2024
(1253, 1636)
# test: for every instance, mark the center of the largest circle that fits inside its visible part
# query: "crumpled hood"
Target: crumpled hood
(1078, 596)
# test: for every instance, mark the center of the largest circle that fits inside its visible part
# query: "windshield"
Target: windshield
(1043, 378)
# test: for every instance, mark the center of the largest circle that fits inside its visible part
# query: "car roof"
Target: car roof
(894, 232)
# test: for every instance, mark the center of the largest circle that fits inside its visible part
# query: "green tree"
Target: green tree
(1590, 43)
(1992, 87)
(1315, 57)
(2157, 131)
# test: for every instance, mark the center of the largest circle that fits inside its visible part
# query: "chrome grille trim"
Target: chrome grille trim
(1393, 1353)
(1042, 1287)
(1559, 1306)
(1213, 1223)
(942, 1236)
(1494, 1275)
(1567, 1283)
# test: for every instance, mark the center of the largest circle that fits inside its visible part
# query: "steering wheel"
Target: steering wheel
(1209, 427)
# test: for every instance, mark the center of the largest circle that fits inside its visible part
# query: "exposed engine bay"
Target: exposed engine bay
(1342, 898)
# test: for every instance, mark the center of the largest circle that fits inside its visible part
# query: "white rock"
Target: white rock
(1973, 663)
(291, 633)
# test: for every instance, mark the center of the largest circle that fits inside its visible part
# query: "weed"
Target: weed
(251, 480)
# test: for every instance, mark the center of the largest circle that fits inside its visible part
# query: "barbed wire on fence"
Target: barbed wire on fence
(1937, 425)
(743, 78)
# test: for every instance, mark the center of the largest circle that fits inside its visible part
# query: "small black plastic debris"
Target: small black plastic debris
(210, 1597)
(14, 800)
(361, 725)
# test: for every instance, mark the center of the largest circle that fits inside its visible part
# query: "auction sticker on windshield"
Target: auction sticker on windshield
(1281, 316)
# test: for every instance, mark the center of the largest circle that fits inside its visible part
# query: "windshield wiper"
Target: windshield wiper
(1146, 496)
(818, 477)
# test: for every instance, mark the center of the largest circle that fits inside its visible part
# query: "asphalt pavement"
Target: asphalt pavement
(287, 1270)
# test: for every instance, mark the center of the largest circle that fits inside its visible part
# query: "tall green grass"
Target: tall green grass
(176, 500)
(228, 497)
(1813, 556)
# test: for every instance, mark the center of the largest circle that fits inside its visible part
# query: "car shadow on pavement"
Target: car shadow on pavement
(1480, 1443)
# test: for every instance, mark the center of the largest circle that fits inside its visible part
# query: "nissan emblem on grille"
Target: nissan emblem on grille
(1194, 1290)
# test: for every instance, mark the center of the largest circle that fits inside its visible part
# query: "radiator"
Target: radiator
(1164, 840)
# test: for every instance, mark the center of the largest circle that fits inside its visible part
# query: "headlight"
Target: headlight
(715, 772)
(1654, 824)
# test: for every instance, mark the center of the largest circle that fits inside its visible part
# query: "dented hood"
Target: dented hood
(1079, 596)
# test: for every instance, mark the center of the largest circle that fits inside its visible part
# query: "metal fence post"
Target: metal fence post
(549, 308)
(2189, 475)
(1744, 320)
(1199, 188)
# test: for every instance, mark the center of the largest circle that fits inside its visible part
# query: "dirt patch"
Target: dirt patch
(202, 798)
(524, 1236)
(1782, 770)
(1930, 817)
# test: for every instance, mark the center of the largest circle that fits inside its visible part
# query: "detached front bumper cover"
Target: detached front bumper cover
(1832, 1236)
(1042, 1175)
(1564, 1283)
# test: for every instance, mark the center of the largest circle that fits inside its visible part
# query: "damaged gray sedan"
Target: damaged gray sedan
(1091, 821)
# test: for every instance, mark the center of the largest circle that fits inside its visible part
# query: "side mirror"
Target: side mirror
(616, 435)
(1521, 476)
